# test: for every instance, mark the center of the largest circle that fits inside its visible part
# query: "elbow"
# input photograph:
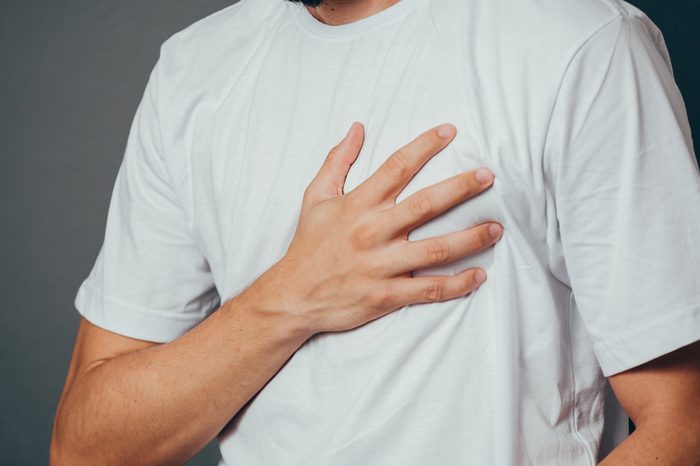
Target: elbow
(58, 453)
(71, 453)
(58, 456)
(72, 445)
(61, 451)
(66, 447)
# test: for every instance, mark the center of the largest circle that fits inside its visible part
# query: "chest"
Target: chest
(257, 146)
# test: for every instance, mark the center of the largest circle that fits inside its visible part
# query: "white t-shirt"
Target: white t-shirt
(571, 103)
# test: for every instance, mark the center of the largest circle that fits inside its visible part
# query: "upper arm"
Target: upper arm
(624, 180)
(666, 388)
(151, 280)
(94, 346)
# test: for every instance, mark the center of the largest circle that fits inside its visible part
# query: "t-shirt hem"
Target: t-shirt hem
(157, 326)
(648, 341)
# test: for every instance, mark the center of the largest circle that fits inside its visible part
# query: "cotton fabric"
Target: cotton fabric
(572, 104)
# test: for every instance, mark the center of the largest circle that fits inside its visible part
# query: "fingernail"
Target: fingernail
(483, 176)
(445, 131)
(495, 230)
(479, 276)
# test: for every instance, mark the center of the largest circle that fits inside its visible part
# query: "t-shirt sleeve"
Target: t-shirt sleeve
(150, 280)
(620, 168)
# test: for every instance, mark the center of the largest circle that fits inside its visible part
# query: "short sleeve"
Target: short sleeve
(150, 281)
(620, 168)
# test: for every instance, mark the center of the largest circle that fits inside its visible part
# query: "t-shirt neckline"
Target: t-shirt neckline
(386, 15)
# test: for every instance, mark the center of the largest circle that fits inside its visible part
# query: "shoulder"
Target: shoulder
(239, 20)
(223, 38)
(539, 30)
(200, 63)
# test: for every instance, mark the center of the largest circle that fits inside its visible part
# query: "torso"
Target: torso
(483, 379)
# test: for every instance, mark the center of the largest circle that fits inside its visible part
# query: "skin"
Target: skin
(129, 401)
(662, 397)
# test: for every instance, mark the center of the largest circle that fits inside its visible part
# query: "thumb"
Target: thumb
(330, 179)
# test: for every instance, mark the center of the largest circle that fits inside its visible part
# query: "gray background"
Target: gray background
(71, 75)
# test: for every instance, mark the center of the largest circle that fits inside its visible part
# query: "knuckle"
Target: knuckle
(364, 236)
(398, 163)
(464, 184)
(420, 204)
(378, 297)
(435, 291)
(477, 239)
(333, 153)
(432, 142)
(469, 282)
(438, 251)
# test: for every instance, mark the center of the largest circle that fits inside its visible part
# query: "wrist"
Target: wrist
(265, 304)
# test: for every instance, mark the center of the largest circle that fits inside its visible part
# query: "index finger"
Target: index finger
(393, 175)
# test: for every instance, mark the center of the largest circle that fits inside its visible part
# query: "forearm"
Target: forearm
(667, 442)
(162, 404)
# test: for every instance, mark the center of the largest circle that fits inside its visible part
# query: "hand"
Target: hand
(350, 260)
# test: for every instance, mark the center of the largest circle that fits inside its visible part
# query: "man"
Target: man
(572, 106)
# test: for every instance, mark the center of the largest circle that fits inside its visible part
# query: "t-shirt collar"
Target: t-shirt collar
(387, 15)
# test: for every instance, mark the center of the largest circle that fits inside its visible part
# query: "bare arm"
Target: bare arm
(663, 399)
(128, 401)
(160, 404)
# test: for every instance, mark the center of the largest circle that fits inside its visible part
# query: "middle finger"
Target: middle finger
(393, 175)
